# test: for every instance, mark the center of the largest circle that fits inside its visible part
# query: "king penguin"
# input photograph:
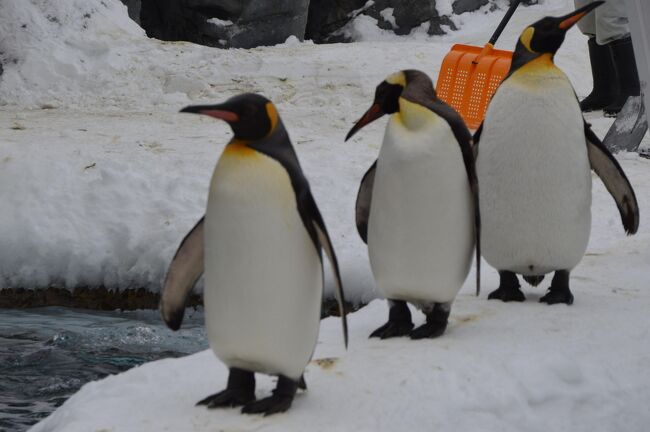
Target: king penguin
(417, 206)
(260, 244)
(535, 156)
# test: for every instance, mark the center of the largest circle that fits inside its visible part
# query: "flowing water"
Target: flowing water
(47, 354)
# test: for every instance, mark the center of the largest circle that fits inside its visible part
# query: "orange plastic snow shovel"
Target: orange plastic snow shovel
(470, 75)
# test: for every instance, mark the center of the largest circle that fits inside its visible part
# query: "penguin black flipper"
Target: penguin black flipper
(364, 199)
(277, 145)
(614, 179)
(475, 139)
(468, 149)
(310, 215)
(184, 270)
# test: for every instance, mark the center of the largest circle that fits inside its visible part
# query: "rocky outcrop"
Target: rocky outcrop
(85, 298)
(225, 23)
(250, 23)
(462, 6)
(104, 299)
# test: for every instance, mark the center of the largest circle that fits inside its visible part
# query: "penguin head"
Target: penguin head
(546, 35)
(388, 93)
(250, 116)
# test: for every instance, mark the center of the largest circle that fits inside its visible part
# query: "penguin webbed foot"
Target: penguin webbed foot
(559, 291)
(227, 398)
(399, 322)
(280, 401)
(393, 329)
(240, 391)
(508, 288)
(436, 323)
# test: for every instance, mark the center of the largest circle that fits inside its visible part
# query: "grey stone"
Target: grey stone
(133, 7)
(245, 23)
(327, 16)
(462, 6)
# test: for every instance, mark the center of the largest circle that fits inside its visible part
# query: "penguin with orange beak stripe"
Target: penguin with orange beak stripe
(260, 245)
(534, 162)
(417, 206)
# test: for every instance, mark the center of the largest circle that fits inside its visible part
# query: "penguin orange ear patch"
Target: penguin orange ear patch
(526, 37)
(272, 113)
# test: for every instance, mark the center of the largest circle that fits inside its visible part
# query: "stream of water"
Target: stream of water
(47, 354)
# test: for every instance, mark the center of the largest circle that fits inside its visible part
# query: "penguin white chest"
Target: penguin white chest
(420, 227)
(534, 174)
(263, 275)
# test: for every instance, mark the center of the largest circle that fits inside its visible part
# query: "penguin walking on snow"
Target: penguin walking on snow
(417, 206)
(535, 156)
(260, 244)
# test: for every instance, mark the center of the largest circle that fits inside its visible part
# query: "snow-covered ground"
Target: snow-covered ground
(100, 178)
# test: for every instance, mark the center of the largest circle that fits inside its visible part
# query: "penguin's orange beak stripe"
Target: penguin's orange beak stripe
(373, 113)
(575, 16)
(567, 23)
(223, 115)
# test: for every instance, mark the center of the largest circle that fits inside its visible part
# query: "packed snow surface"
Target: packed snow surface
(101, 179)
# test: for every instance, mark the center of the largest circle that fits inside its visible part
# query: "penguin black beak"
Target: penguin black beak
(373, 113)
(567, 21)
(216, 111)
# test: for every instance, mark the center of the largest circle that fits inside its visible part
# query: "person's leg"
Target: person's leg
(612, 31)
(602, 66)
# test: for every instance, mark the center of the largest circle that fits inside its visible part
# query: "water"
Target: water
(47, 354)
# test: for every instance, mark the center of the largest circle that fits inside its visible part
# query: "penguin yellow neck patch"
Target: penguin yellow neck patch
(238, 148)
(272, 113)
(526, 37)
(412, 115)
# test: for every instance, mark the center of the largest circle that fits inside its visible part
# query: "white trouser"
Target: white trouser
(607, 22)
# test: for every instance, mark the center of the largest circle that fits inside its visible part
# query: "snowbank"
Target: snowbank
(99, 189)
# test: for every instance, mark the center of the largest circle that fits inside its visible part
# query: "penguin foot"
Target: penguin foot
(393, 329)
(240, 391)
(559, 291)
(227, 398)
(399, 321)
(508, 288)
(557, 295)
(280, 401)
(428, 330)
(507, 294)
(436, 323)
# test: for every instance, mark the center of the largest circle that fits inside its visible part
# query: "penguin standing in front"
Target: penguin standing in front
(260, 244)
(417, 206)
(535, 156)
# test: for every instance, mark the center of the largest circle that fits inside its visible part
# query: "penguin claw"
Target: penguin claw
(227, 398)
(507, 294)
(270, 405)
(393, 329)
(429, 330)
(556, 296)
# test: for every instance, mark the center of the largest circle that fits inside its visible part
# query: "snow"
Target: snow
(101, 179)
(220, 22)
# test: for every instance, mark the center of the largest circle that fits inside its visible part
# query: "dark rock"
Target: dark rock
(407, 14)
(327, 16)
(462, 6)
(133, 7)
(103, 299)
(239, 24)
(86, 298)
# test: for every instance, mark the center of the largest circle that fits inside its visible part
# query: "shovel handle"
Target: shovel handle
(504, 21)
